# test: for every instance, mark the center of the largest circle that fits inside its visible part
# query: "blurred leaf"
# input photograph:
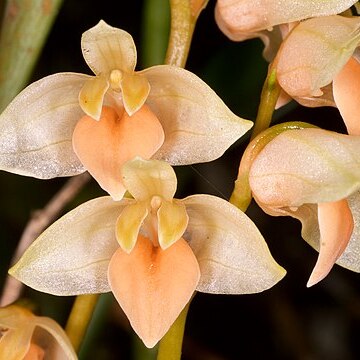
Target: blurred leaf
(24, 30)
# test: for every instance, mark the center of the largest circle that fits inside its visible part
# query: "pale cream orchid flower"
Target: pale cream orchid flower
(269, 20)
(152, 251)
(327, 76)
(24, 336)
(317, 181)
(163, 112)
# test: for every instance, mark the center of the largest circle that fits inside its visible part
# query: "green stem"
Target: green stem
(171, 344)
(155, 32)
(79, 318)
(269, 95)
(241, 196)
(24, 30)
(181, 31)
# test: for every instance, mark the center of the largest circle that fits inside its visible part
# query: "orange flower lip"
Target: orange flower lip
(104, 146)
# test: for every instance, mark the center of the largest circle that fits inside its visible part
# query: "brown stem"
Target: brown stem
(39, 221)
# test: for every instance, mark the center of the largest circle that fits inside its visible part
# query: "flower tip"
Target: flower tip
(316, 277)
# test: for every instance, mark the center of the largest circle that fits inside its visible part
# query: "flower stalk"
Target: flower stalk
(269, 95)
(171, 344)
(79, 318)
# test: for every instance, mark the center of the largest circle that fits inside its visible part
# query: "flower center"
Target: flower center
(115, 79)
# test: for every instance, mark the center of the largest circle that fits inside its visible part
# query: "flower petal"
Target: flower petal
(114, 140)
(62, 342)
(13, 316)
(72, 255)
(128, 225)
(317, 166)
(172, 220)
(36, 128)
(232, 254)
(308, 215)
(336, 226)
(145, 179)
(106, 48)
(347, 95)
(153, 285)
(91, 96)
(326, 99)
(250, 16)
(135, 89)
(192, 116)
(15, 343)
(301, 71)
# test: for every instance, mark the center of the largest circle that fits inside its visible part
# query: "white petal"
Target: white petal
(350, 259)
(317, 166)
(254, 15)
(106, 48)
(36, 128)
(301, 71)
(232, 254)
(198, 126)
(71, 256)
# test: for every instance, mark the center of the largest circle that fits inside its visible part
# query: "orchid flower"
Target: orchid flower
(317, 181)
(24, 336)
(329, 76)
(163, 112)
(246, 19)
(152, 251)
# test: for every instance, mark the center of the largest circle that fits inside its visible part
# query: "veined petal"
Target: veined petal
(106, 48)
(232, 254)
(37, 126)
(301, 71)
(317, 166)
(91, 96)
(128, 225)
(153, 286)
(172, 222)
(251, 16)
(145, 179)
(271, 38)
(72, 255)
(15, 343)
(62, 342)
(104, 146)
(192, 116)
(135, 90)
(346, 90)
(336, 226)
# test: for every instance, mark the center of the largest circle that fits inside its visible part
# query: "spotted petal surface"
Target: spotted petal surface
(232, 254)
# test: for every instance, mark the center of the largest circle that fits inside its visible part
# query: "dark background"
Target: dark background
(288, 321)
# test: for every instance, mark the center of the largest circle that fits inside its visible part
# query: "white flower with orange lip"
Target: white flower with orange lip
(152, 251)
(317, 181)
(246, 19)
(24, 336)
(163, 112)
(329, 76)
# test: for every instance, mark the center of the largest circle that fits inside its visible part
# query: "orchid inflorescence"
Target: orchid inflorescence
(126, 127)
